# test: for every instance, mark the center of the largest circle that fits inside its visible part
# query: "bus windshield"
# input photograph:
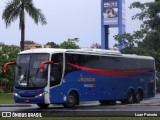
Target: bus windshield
(28, 73)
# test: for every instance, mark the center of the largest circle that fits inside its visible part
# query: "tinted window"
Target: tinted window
(106, 62)
(56, 69)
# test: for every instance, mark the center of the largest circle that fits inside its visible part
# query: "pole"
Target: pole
(106, 36)
(102, 26)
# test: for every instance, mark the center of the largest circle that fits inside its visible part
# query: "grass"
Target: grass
(6, 98)
(86, 118)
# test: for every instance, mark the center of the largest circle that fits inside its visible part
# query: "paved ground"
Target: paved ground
(149, 106)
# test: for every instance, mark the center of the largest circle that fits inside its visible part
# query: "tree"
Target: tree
(145, 41)
(70, 44)
(7, 54)
(53, 45)
(95, 45)
(18, 8)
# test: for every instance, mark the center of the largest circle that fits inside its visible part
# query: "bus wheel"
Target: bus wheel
(72, 100)
(130, 97)
(43, 105)
(138, 98)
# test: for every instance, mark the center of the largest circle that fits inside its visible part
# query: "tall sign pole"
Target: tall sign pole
(121, 20)
(112, 15)
(103, 40)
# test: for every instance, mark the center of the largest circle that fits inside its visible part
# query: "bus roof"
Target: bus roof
(84, 51)
(44, 50)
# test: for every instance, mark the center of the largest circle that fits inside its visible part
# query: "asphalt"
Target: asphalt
(149, 106)
(15, 105)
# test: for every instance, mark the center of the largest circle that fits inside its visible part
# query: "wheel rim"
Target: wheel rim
(71, 100)
(138, 97)
(130, 98)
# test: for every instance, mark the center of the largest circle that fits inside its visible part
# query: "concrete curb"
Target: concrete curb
(15, 105)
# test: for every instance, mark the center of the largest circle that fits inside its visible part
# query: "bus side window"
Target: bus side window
(56, 69)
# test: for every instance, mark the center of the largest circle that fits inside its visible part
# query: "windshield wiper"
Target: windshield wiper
(36, 73)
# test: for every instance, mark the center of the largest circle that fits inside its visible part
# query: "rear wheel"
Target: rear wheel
(130, 97)
(43, 105)
(138, 98)
(72, 100)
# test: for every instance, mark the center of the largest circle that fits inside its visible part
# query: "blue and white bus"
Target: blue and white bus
(60, 76)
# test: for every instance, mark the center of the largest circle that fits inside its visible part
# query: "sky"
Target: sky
(66, 19)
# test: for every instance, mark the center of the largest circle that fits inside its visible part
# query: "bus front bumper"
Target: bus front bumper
(31, 100)
(30, 96)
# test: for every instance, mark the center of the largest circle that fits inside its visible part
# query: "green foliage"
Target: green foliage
(53, 45)
(15, 9)
(1, 91)
(8, 54)
(145, 41)
(70, 44)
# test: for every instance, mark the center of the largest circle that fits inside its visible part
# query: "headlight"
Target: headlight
(41, 94)
(16, 94)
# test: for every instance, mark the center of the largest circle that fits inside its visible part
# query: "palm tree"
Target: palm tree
(16, 9)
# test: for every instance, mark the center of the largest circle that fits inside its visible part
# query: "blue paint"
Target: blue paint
(107, 87)
(90, 86)
(29, 96)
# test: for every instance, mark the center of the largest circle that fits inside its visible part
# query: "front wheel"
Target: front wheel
(43, 105)
(72, 100)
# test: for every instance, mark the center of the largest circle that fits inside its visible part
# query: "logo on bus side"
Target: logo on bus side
(90, 85)
(86, 79)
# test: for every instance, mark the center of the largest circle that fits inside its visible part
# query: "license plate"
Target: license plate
(26, 101)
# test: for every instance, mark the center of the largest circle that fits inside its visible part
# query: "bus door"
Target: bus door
(56, 74)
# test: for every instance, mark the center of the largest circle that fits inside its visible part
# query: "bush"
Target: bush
(1, 91)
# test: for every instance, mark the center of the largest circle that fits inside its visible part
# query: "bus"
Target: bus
(69, 76)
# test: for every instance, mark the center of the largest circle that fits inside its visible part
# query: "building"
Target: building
(31, 45)
(47, 46)
(51, 45)
(27, 44)
(35, 45)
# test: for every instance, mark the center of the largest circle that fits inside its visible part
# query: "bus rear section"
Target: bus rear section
(107, 78)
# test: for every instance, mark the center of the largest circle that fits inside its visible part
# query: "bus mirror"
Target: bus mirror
(43, 63)
(5, 67)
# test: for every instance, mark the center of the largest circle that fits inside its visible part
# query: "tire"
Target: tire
(43, 105)
(138, 98)
(72, 100)
(130, 97)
